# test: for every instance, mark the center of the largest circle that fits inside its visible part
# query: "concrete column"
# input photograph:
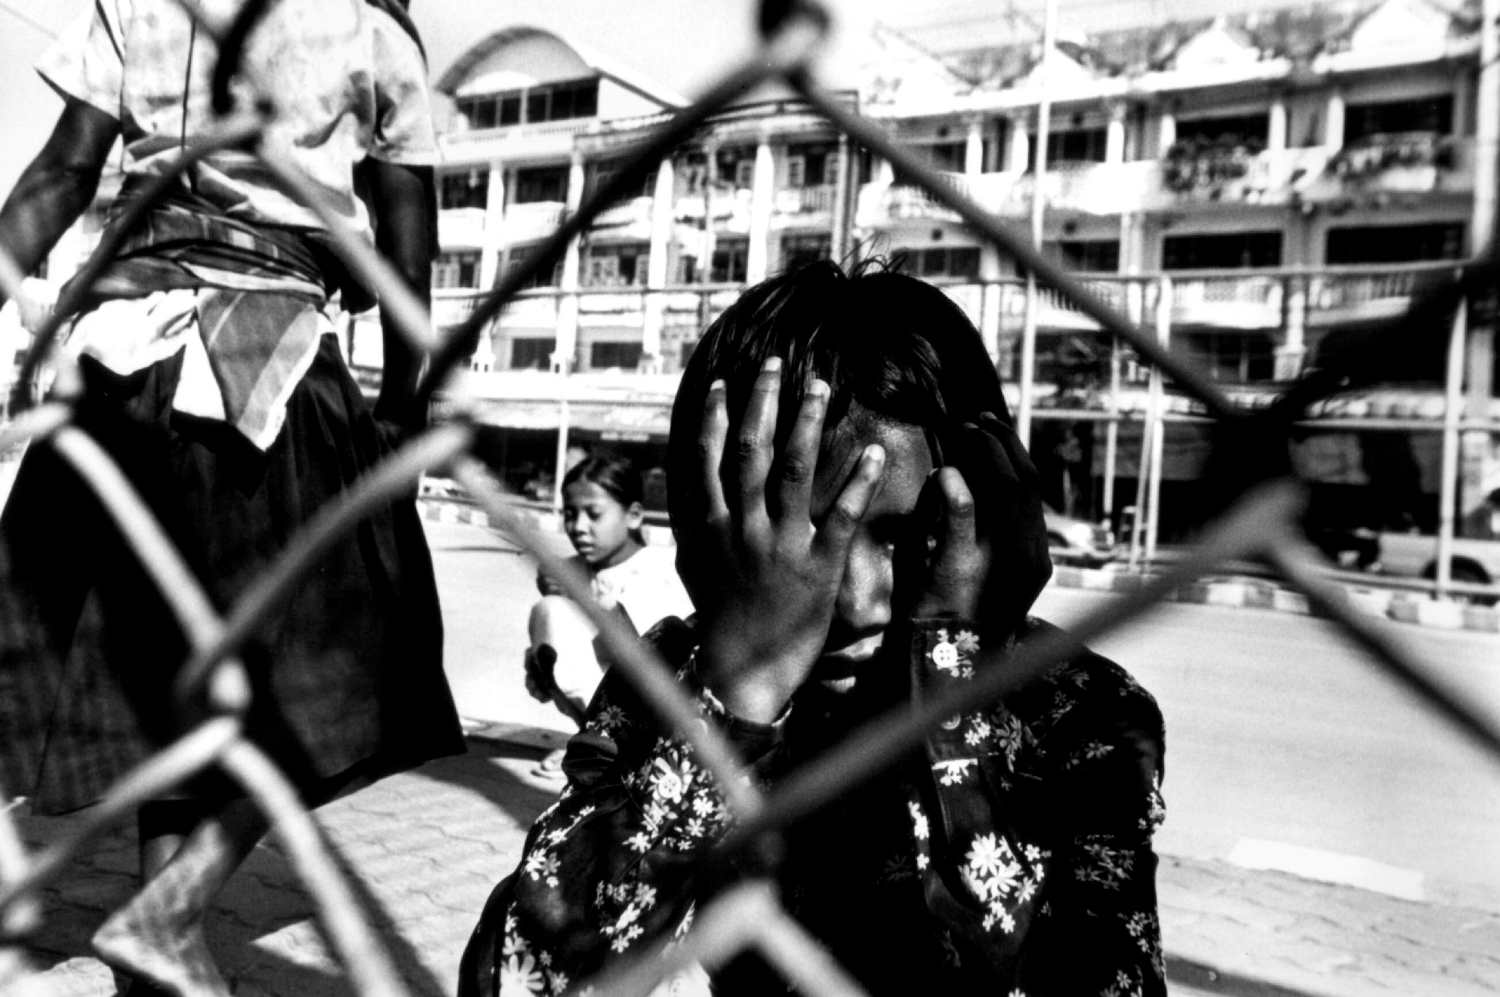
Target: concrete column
(710, 178)
(1333, 121)
(567, 302)
(1292, 349)
(1166, 132)
(762, 190)
(657, 264)
(1276, 126)
(494, 227)
(1114, 134)
(662, 211)
(840, 237)
(974, 148)
(1020, 143)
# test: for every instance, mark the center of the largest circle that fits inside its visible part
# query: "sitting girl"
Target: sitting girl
(603, 518)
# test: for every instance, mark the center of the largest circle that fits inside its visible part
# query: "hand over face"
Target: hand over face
(767, 599)
(987, 559)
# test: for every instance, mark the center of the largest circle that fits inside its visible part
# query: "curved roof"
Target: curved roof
(464, 66)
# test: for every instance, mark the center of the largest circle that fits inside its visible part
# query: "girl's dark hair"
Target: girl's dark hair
(616, 475)
(897, 346)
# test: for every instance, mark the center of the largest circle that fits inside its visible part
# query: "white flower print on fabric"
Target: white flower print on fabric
(918, 820)
(680, 802)
(1156, 807)
(1104, 865)
(520, 977)
(996, 876)
(620, 909)
(543, 865)
(1124, 986)
(953, 771)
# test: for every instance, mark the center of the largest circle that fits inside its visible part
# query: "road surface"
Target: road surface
(1285, 748)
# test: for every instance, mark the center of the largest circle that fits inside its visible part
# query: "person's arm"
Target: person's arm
(403, 203)
(1036, 829)
(58, 184)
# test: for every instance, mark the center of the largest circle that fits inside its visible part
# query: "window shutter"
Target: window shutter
(796, 171)
(831, 167)
(642, 264)
(744, 173)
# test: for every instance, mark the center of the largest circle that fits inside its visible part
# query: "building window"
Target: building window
(518, 256)
(943, 261)
(532, 354)
(1086, 255)
(800, 250)
(541, 183)
(1395, 243)
(549, 102)
(1426, 114)
(735, 165)
(945, 156)
(452, 270)
(1238, 129)
(1221, 251)
(1073, 145)
(614, 356)
(468, 189)
(1232, 357)
(729, 262)
(811, 165)
(603, 172)
(618, 266)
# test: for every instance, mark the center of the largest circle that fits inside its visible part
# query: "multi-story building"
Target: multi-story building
(1254, 188)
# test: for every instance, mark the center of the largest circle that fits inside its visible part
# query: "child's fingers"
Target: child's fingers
(711, 436)
(853, 502)
(958, 530)
(753, 444)
(799, 461)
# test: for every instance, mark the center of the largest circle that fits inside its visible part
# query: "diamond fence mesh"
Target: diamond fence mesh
(1260, 502)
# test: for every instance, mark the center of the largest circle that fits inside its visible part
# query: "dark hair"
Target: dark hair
(892, 344)
(616, 475)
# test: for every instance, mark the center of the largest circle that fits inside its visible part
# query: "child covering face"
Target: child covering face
(857, 524)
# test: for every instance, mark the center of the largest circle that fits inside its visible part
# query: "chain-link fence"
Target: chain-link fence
(1259, 503)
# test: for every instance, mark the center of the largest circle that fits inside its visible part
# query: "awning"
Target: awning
(626, 420)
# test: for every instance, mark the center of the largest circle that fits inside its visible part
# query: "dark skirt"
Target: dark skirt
(347, 673)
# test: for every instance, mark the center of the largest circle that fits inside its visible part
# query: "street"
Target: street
(1285, 749)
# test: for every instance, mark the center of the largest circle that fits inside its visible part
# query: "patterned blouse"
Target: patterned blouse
(1011, 855)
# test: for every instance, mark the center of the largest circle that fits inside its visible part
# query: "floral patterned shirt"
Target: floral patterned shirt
(1011, 855)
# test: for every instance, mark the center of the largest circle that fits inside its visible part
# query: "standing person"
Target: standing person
(856, 522)
(604, 519)
(214, 382)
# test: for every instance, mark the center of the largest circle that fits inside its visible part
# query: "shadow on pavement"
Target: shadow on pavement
(478, 772)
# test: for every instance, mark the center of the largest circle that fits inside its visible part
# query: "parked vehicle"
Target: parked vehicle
(1075, 541)
(1414, 555)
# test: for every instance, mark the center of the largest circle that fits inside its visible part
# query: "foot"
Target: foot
(159, 958)
(550, 767)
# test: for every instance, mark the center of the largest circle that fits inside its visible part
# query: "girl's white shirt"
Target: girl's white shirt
(645, 585)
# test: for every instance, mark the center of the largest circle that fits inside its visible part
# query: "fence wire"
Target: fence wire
(1260, 522)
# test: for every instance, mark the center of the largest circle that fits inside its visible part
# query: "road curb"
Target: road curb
(1230, 592)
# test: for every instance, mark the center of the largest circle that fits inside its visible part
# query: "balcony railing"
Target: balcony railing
(806, 200)
(632, 216)
(461, 227)
(1235, 302)
(532, 219)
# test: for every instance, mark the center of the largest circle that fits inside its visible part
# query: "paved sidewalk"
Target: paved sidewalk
(427, 846)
